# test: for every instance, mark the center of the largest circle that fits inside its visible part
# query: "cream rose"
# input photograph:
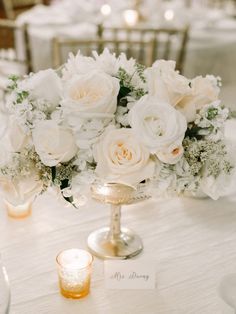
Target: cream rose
(166, 83)
(172, 154)
(18, 139)
(92, 93)
(53, 143)
(44, 85)
(158, 125)
(121, 158)
(203, 92)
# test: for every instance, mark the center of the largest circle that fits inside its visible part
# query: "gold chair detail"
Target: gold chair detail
(168, 43)
(141, 50)
(11, 62)
(14, 7)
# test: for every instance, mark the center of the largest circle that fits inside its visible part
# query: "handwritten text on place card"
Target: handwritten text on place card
(132, 274)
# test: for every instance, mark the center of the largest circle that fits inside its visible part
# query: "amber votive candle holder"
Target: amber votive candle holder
(74, 271)
(18, 211)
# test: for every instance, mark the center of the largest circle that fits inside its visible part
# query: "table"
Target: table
(191, 240)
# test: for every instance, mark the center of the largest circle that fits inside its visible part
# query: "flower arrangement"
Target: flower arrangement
(110, 118)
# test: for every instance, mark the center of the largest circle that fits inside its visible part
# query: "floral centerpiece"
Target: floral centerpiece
(109, 118)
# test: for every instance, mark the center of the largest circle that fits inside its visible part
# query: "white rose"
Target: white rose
(166, 83)
(18, 139)
(203, 92)
(21, 189)
(53, 143)
(45, 85)
(121, 158)
(159, 126)
(95, 92)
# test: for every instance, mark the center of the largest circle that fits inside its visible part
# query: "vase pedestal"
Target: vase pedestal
(124, 246)
(114, 242)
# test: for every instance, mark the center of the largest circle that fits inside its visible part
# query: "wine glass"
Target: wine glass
(227, 290)
(5, 296)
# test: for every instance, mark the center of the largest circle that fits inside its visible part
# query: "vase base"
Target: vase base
(124, 246)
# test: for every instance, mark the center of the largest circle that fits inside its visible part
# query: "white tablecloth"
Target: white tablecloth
(192, 242)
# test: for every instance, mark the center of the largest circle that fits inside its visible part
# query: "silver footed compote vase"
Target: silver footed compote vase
(115, 241)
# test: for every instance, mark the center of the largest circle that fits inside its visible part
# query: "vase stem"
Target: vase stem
(115, 221)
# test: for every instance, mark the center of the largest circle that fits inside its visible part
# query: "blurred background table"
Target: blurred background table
(211, 48)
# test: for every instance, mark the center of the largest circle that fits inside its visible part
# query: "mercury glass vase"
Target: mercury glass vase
(115, 241)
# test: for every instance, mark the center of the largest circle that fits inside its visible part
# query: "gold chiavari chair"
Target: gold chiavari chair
(140, 50)
(168, 43)
(15, 7)
(10, 61)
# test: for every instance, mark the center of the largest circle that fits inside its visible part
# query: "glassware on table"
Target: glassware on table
(18, 211)
(74, 271)
(5, 295)
(116, 242)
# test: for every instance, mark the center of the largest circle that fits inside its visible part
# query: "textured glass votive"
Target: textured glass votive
(74, 271)
(19, 211)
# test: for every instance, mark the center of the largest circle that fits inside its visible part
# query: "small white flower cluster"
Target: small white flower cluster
(211, 120)
(108, 117)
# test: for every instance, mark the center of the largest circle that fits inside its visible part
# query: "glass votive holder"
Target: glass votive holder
(74, 271)
(18, 211)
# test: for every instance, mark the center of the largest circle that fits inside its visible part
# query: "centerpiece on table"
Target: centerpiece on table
(109, 119)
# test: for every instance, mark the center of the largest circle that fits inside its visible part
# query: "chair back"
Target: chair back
(14, 7)
(12, 38)
(168, 43)
(140, 50)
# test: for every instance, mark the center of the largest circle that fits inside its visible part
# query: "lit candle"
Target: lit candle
(18, 211)
(74, 271)
(131, 17)
(169, 15)
(105, 9)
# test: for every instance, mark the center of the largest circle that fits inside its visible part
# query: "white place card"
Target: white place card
(131, 274)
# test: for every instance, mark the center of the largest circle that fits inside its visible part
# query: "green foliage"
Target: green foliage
(212, 113)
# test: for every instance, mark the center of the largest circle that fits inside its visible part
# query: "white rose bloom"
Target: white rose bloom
(172, 154)
(18, 139)
(121, 158)
(53, 143)
(159, 126)
(45, 85)
(166, 83)
(92, 93)
(203, 92)
(21, 189)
